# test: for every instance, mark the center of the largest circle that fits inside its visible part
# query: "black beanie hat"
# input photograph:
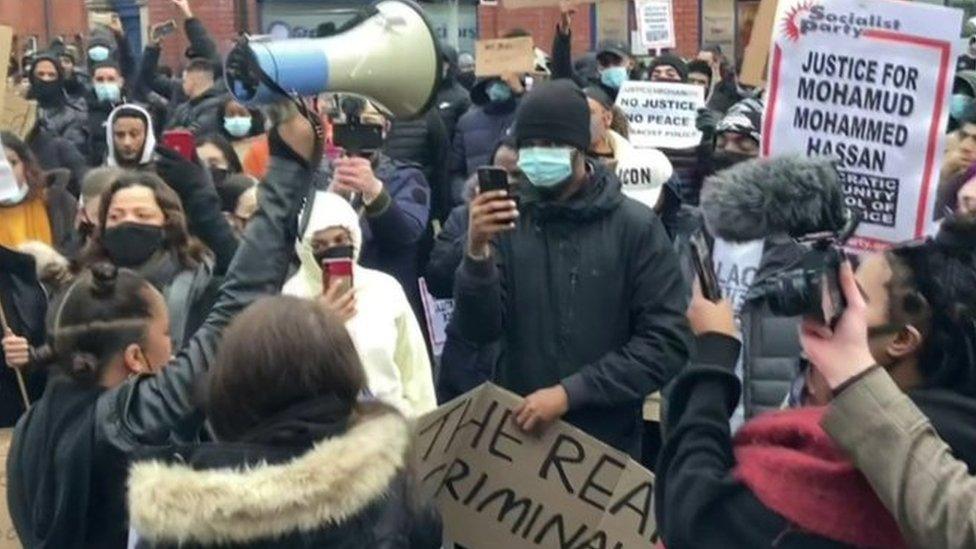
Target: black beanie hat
(672, 60)
(554, 111)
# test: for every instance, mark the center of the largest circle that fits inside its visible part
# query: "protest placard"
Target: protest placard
(504, 55)
(866, 83)
(9, 534)
(655, 23)
(496, 486)
(438, 314)
(756, 54)
(643, 174)
(18, 114)
(662, 114)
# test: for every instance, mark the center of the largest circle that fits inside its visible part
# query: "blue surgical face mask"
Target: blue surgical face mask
(498, 92)
(108, 91)
(614, 77)
(958, 103)
(546, 167)
(98, 53)
(237, 126)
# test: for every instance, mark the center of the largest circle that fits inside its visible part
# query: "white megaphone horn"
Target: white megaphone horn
(388, 53)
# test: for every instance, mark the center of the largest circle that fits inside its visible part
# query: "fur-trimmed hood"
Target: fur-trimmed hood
(760, 198)
(334, 481)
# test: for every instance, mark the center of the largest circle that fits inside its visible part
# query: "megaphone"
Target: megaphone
(388, 53)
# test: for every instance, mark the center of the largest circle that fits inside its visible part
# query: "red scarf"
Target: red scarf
(795, 469)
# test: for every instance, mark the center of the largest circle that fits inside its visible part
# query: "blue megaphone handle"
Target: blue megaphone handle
(297, 66)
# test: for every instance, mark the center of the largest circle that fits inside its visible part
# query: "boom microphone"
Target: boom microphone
(388, 53)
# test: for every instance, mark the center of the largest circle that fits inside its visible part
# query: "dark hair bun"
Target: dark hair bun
(83, 364)
(103, 275)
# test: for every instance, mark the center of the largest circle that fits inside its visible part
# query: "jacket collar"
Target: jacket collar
(332, 482)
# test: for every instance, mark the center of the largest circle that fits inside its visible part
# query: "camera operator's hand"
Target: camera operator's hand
(709, 317)
(489, 214)
(16, 350)
(355, 174)
(842, 353)
(184, 6)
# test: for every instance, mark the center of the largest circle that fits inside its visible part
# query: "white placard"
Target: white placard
(655, 23)
(438, 313)
(9, 189)
(736, 265)
(867, 83)
(662, 114)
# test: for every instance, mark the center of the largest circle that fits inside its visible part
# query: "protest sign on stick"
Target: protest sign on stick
(866, 83)
(655, 23)
(756, 55)
(662, 114)
(504, 55)
(496, 486)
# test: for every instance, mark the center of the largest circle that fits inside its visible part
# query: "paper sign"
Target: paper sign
(496, 486)
(866, 83)
(756, 53)
(736, 265)
(655, 23)
(18, 114)
(9, 189)
(662, 114)
(438, 313)
(505, 55)
(643, 176)
(9, 534)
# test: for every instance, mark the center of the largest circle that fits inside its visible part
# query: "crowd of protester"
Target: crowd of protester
(191, 375)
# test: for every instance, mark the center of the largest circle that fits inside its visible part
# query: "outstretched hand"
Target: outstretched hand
(843, 352)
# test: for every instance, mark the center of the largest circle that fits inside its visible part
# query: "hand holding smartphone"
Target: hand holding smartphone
(492, 212)
(163, 29)
(704, 268)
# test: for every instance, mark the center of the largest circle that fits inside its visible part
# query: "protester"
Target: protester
(219, 156)
(576, 246)
(66, 472)
(394, 199)
(613, 61)
(754, 211)
(240, 126)
(142, 226)
(109, 92)
(200, 113)
(61, 115)
(453, 99)
(130, 138)
(238, 200)
(781, 482)
(495, 100)
(700, 74)
(464, 365)
(963, 93)
(423, 143)
(930, 493)
(24, 303)
(466, 75)
(39, 212)
(295, 464)
(77, 83)
(967, 61)
(612, 148)
(96, 182)
(375, 309)
(668, 68)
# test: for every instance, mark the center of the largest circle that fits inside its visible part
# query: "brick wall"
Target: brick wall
(495, 21)
(686, 26)
(68, 17)
(218, 16)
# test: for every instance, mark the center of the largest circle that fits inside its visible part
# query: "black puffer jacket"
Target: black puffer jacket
(587, 294)
(199, 115)
(143, 411)
(424, 143)
(453, 100)
(348, 491)
(55, 152)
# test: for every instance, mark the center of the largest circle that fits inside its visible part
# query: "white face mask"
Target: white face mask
(17, 198)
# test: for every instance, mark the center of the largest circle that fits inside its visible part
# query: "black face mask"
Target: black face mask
(335, 252)
(132, 244)
(724, 159)
(47, 92)
(218, 175)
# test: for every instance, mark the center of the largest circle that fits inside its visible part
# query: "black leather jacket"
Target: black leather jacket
(161, 410)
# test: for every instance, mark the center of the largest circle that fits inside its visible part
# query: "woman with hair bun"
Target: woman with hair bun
(120, 389)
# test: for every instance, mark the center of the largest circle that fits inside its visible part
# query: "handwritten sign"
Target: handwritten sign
(505, 55)
(438, 313)
(662, 114)
(18, 115)
(655, 23)
(496, 486)
(871, 92)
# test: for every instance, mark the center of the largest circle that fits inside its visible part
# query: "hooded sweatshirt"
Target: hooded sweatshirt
(147, 149)
(384, 330)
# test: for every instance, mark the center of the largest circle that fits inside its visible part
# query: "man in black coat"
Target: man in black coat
(453, 100)
(579, 283)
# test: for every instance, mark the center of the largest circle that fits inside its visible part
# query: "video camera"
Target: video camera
(811, 288)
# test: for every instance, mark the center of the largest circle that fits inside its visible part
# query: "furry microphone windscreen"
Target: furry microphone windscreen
(759, 198)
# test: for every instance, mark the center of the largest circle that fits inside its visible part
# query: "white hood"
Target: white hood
(147, 150)
(328, 210)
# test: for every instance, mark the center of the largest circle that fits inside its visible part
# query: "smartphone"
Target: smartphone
(163, 29)
(181, 141)
(704, 268)
(358, 139)
(492, 179)
(105, 18)
(337, 264)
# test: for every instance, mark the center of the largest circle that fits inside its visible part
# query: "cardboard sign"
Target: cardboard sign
(438, 313)
(18, 114)
(662, 114)
(496, 486)
(866, 83)
(6, 45)
(8, 535)
(655, 23)
(505, 55)
(756, 54)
